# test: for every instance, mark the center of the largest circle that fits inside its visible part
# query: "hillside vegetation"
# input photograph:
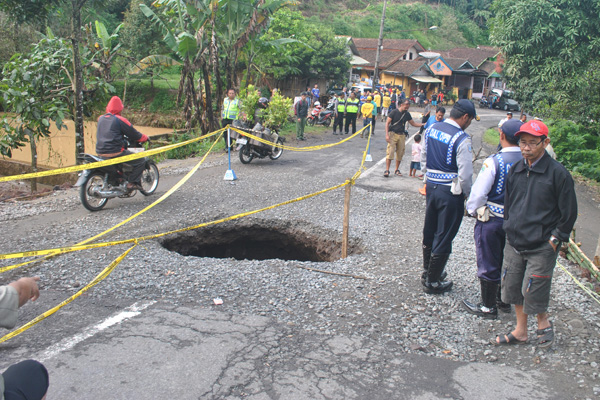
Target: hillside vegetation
(362, 19)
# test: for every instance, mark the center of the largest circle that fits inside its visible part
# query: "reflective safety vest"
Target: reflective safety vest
(230, 109)
(341, 106)
(352, 106)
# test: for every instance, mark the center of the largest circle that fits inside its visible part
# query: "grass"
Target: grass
(491, 136)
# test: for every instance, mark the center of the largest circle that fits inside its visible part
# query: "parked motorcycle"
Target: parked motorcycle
(321, 116)
(250, 149)
(483, 103)
(98, 185)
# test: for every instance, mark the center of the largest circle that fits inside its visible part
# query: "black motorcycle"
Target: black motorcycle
(98, 185)
(483, 103)
(249, 149)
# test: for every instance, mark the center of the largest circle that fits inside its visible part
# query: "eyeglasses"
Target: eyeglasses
(531, 145)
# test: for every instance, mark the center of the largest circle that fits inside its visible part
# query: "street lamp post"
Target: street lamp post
(379, 46)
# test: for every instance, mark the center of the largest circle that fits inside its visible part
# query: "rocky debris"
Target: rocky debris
(388, 307)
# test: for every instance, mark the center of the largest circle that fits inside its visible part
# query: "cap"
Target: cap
(304, 94)
(342, 94)
(467, 107)
(534, 127)
(509, 113)
(510, 128)
(369, 98)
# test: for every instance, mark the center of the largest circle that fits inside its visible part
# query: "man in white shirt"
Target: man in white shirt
(486, 202)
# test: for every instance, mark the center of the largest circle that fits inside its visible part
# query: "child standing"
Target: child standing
(416, 156)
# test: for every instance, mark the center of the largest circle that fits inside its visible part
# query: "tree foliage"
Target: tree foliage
(317, 52)
(552, 54)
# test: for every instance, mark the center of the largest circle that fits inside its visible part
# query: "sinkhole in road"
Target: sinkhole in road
(261, 240)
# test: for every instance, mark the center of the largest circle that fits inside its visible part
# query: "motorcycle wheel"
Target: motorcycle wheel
(150, 179)
(506, 107)
(311, 121)
(275, 154)
(92, 203)
(327, 122)
(245, 154)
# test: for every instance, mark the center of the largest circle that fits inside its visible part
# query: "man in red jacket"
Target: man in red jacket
(110, 139)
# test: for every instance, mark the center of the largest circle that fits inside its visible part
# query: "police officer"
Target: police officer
(231, 110)
(340, 110)
(487, 203)
(351, 112)
(447, 162)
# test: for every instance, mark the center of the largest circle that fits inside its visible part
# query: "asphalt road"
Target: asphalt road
(103, 347)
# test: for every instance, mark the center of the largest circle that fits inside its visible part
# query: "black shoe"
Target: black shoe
(334, 132)
(434, 283)
(438, 287)
(443, 277)
(500, 305)
(480, 310)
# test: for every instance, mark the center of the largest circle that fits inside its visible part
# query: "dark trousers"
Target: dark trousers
(443, 217)
(136, 166)
(489, 245)
(339, 120)
(224, 123)
(350, 119)
(373, 123)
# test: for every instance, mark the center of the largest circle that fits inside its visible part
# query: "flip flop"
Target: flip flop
(507, 339)
(386, 173)
(545, 336)
(397, 172)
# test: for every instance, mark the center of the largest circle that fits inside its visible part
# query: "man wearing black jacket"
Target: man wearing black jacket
(540, 209)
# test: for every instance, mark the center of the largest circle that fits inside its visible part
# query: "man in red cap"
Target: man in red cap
(110, 139)
(540, 209)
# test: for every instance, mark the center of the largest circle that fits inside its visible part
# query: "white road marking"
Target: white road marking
(370, 170)
(68, 343)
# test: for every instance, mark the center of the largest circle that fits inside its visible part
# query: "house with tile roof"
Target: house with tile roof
(468, 72)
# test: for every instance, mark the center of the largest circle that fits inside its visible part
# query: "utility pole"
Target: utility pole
(379, 46)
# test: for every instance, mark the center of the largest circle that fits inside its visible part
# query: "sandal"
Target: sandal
(386, 173)
(397, 172)
(545, 336)
(507, 339)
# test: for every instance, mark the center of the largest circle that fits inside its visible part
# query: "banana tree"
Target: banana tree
(184, 27)
(104, 50)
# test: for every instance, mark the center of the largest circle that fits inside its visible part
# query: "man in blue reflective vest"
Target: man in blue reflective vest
(446, 159)
(231, 111)
(486, 202)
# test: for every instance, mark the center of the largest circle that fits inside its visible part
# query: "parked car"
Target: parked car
(335, 90)
(506, 104)
(361, 89)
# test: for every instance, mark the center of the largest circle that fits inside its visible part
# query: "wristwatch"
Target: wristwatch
(554, 240)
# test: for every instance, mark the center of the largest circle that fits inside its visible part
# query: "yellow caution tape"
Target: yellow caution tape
(95, 281)
(78, 245)
(68, 249)
(112, 161)
(308, 148)
(136, 241)
(83, 246)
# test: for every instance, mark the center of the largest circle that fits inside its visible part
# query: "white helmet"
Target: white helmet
(317, 103)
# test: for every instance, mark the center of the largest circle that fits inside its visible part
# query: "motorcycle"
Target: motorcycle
(483, 103)
(98, 185)
(249, 149)
(322, 116)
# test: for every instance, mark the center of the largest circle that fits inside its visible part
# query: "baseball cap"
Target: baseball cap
(510, 128)
(467, 107)
(304, 94)
(533, 127)
(369, 98)
(509, 113)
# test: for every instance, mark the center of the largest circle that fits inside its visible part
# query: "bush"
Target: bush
(576, 147)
